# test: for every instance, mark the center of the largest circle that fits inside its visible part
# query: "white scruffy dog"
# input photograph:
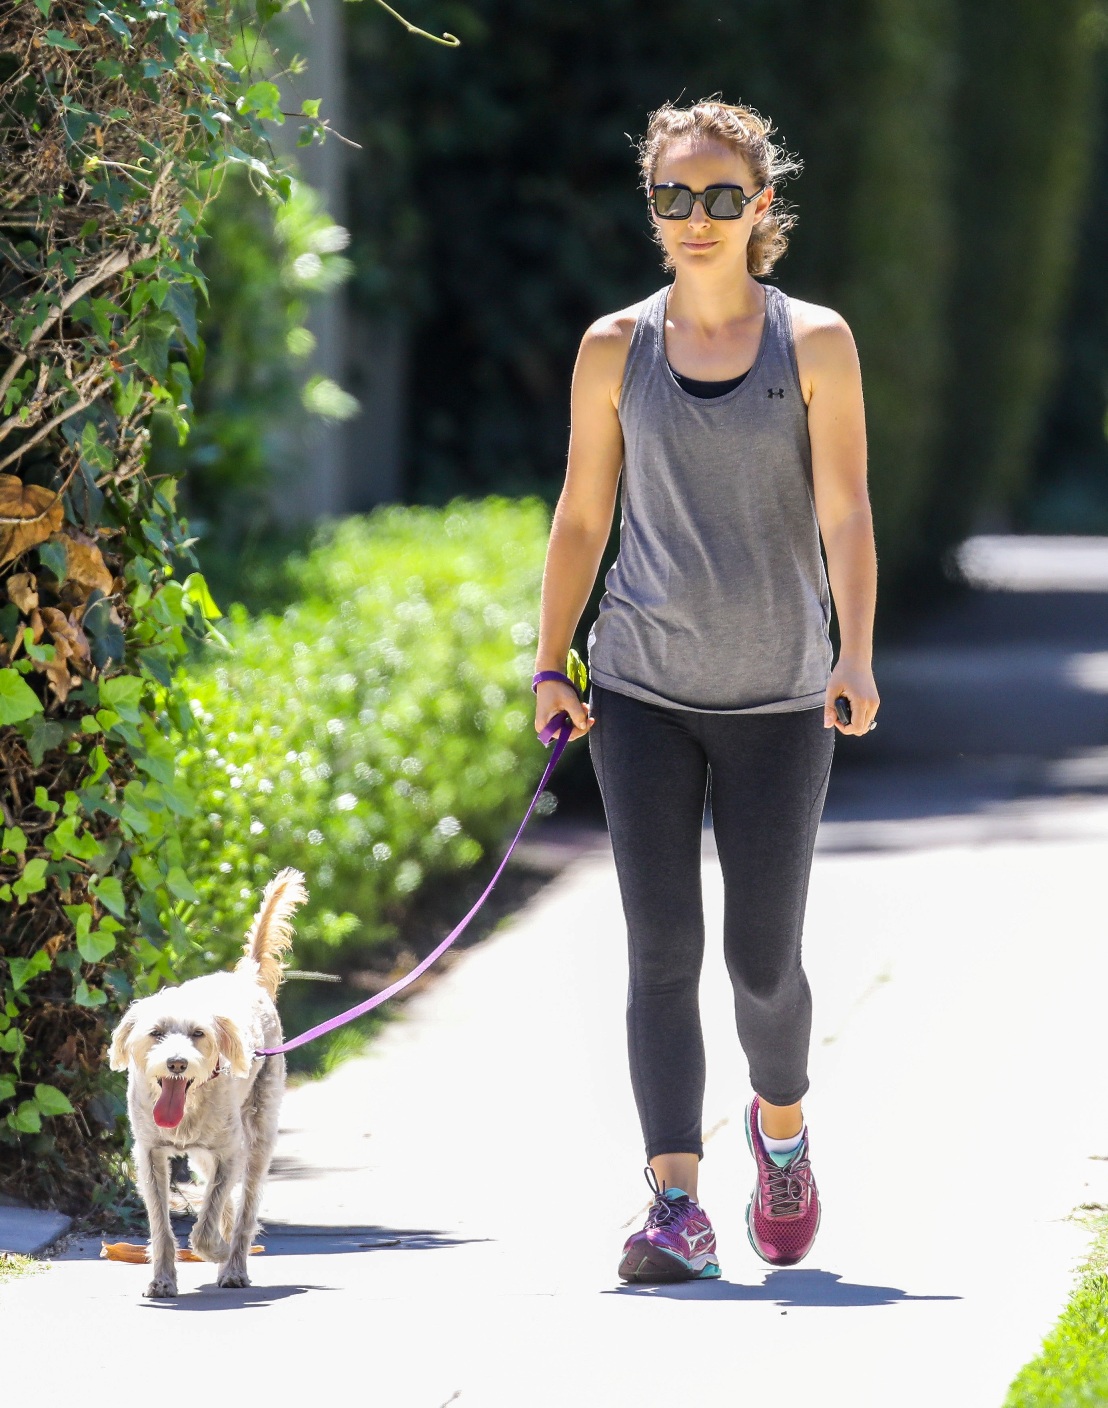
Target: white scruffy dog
(195, 1087)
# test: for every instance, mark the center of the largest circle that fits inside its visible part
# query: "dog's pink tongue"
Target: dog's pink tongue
(170, 1109)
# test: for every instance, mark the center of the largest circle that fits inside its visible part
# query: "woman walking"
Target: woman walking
(735, 414)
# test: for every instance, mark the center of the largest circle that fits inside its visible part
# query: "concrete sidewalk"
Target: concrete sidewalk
(445, 1214)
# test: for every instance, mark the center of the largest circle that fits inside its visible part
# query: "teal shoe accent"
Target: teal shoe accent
(782, 1159)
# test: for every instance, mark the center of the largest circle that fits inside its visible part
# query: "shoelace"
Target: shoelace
(664, 1209)
(787, 1187)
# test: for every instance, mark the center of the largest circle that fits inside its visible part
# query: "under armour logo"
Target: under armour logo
(771, 393)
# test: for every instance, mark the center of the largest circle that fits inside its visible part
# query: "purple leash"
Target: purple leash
(560, 724)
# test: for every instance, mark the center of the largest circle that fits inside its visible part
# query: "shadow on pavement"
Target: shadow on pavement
(293, 1239)
(210, 1297)
(809, 1287)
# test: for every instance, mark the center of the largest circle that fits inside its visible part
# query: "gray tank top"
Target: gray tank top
(718, 600)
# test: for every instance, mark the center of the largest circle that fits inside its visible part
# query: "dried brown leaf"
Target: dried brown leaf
(22, 589)
(39, 505)
(85, 566)
(57, 673)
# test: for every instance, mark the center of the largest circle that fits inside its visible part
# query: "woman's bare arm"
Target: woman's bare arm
(832, 383)
(583, 515)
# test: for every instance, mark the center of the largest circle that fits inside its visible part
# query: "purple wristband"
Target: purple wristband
(551, 675)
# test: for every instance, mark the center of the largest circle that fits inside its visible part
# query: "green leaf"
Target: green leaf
(96, 946)
(65, 840)
(180, 886)
(14, 840)
(109, 892)
(43, 8)
(138, 821)
(263, 98)
(51, 1101)
(196, 590)
(152, 350)
(128, 393)
(52, 556)
(89, 997)
(99, 761)
(310, 107)
(43, 802)
(26, 1120)
(44, 736)
(24, 969)
(158, 766)
(149, 876)
(181, 303)
(9, 622)
(7, 1088)
(267, 9)
(123, 693)
(17, 699)
(59, 41)
(32, 880)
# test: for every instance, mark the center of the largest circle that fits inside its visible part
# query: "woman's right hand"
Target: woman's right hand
(554, 697)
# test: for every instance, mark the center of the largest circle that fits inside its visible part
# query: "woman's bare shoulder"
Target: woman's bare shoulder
(826, 354)
(819, 326)
(605, 345)
(611, 333)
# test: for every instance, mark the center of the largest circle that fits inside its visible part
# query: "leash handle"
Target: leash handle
(333, 1023)
(577, 677)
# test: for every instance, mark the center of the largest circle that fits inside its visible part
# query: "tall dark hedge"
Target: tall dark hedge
(1069, 488)
(1023, 124)
(501, 207)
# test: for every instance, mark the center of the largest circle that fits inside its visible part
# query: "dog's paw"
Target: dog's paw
(210, 1246)
(161, 1288)
(233, 1278)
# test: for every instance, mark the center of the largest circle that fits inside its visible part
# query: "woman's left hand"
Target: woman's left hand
(856, 682)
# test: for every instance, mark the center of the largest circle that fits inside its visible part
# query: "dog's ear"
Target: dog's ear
(229, 1042)
(119, 1053)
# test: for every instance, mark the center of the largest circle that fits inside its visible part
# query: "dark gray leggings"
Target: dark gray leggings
(769, 776)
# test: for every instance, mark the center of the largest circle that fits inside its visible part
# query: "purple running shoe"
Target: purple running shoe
(782, 1217)
(676, 1244)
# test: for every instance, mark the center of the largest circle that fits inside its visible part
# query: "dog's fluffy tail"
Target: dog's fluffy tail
(271, 932)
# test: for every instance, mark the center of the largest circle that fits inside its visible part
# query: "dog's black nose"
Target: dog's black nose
(177, 1065)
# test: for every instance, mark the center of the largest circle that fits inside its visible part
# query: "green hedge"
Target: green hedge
(378, 734)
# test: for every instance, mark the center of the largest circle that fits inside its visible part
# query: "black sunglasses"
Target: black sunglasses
(675, 202)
